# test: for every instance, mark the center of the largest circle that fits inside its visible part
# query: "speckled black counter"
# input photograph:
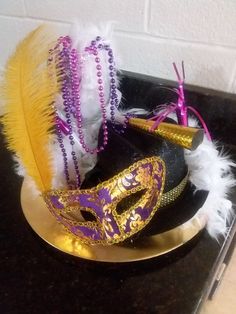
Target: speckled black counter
(35, 278)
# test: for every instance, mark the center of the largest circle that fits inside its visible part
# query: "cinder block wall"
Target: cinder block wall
(150, 34)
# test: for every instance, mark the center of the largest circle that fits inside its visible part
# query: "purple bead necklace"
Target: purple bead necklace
(95, 47)
(61, 56)
(66, 89)
(53, 60)
(77, 105)
(68, 68)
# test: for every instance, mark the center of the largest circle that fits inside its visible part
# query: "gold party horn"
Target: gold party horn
(184, 136)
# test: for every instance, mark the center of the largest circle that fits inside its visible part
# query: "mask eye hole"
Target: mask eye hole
(129, 201)
(87, 215)
(80, 215)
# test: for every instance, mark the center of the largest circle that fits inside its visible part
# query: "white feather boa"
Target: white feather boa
(210, 170)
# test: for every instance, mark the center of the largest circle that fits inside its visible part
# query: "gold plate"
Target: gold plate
(46, 226)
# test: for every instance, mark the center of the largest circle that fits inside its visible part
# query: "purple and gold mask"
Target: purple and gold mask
(108, 226)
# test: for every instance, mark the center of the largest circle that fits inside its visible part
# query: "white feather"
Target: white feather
(121, 113)
(211, 170)
(82, 38)
(86, 162)
(20, 170)
(18, 166)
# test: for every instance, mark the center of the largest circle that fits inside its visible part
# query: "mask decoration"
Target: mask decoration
(109, 227)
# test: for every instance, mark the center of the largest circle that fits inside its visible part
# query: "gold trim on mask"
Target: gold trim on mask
(111, 227)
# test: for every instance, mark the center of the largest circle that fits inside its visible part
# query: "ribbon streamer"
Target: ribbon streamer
(180, 108)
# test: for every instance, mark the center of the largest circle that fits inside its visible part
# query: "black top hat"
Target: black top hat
(125, 149)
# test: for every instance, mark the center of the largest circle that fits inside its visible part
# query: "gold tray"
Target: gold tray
(46, 226)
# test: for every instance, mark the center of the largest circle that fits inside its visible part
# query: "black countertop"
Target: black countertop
(35, 278)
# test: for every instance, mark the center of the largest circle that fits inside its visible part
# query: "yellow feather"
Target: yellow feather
(28, 95)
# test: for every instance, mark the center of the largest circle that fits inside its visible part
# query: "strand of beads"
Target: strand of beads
(114, 102)
(62, 53)
(54, 62)
(97, 45)
(69, 69)
(77, 102)
(63, 150)
(66, 90)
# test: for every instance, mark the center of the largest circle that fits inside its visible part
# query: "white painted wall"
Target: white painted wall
(150, 34)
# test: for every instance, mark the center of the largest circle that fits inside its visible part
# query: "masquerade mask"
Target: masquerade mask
(109, 227)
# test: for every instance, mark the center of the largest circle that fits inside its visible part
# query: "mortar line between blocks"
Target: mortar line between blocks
(146, 36)
(32, 18)
(147, 8)
(24, 8)
(230, 87)
(49, 20)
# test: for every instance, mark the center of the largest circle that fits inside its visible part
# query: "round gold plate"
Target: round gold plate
(46, 226)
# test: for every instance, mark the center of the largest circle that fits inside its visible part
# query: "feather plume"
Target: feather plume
(28, 93)
(211, 170)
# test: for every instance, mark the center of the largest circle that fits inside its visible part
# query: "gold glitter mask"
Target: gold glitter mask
(108, 226)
